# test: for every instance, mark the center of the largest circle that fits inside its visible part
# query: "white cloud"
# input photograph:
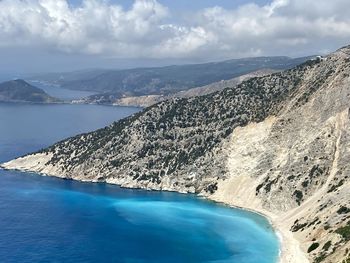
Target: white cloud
(99, 27)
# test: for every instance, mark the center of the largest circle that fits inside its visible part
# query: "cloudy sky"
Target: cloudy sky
(63, 35)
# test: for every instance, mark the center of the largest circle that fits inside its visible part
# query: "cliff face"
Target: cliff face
(277, 144)
(296, 164)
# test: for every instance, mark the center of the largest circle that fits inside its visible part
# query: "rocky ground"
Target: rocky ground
(277, 144)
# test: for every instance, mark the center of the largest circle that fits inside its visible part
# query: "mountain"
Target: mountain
(21, 91)
(277, 144)
(148, 100)
(164, 80)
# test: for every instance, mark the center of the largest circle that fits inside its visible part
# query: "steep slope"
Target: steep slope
(277, 144)
(149, 100)
(296, 164)
(21, 91)
(221, 85)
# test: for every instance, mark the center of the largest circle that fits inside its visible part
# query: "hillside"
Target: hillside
(148, 100)
(277, 144)
(164, 80)
(21, 91)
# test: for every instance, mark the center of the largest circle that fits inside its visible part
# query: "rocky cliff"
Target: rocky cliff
(277, 144)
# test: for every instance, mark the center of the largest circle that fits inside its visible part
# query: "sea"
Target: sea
(46, 219)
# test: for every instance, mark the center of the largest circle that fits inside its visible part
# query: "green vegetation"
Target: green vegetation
(297, 226)
(21, 91)
(343, 210)
(165, 138)
(344, 231)
(298, 195)
(320, 258)
(335, 187)
(316, 171)
(313, 247)
(327, 245)
(165, 80)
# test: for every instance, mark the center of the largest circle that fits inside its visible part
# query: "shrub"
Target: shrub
(343, 210)
(298, 195)
(327, 245)
(313, 247)
(344, 231)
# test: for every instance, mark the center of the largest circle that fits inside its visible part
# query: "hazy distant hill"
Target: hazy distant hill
(21, 91)
(165, 80)
(59, 78)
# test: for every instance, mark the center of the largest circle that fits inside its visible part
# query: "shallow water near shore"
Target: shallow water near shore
(45, 219)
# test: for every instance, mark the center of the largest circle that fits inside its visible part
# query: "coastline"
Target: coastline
(290, 246)
(289, 250)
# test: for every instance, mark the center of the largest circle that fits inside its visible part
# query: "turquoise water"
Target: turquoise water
(45, 219)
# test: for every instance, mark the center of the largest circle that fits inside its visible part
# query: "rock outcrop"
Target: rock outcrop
(277, 144)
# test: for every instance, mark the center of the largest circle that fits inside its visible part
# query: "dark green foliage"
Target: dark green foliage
(335, 187)
(305, 183)
(326, 227)
(298, 196)
(290, 178)
(327, 245)
(343, 210)
(344, 231)
(313, 222)
(115, 163)
(170, 135)
(320, 258)
(296, 227)
(316, 171)
(212, 188)
(257, 190)
(269, 184)
(313, 247)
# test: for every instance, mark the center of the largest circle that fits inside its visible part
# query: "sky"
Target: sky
(182, 5)
(64, 35)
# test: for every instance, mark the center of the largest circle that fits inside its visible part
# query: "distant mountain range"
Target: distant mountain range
(147, 86)
(21, 91)
(164, 81)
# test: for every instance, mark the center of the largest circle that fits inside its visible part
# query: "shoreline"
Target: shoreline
(290, 247)
(287, 242)
(71, 103)
(284, 237)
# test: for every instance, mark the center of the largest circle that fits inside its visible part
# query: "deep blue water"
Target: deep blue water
(28, 127)
(45, 219)
(61, 93)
